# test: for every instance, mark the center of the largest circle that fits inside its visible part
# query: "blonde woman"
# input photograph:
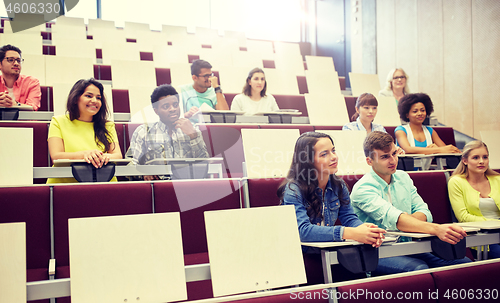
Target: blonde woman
(474, 189)
(396, 85)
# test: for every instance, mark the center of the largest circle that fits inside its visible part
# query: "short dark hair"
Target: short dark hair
(198, 65)
(247, 89)
(407, 101)
(377, 140)
(162, 91)
(7, 48)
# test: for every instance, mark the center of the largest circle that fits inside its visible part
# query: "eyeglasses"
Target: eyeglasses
(12, 59)
(399, 77)
(206, 76)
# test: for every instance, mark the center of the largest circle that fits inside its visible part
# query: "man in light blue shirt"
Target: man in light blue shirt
(387, 197)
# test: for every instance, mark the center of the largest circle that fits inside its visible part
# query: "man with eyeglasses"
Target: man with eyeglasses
(16, 89)
(205, 89)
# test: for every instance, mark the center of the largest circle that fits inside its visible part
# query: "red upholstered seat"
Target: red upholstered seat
(446, 134)
(432, 187)
(93, 200)
(40, 145)
(102, 72)
(418, 286)
(302, 83)
(122, 137)
(350, 103)
(46, 99)
(192, 200)
(292, 102)
(327, 127)
(262, 192)
(121, 101)
(468, 280)
(163, 76)
(227, 143)
(30, 205)
(350, 180)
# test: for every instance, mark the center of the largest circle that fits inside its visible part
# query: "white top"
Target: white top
(243, 103)
(488, 208)
(11, 93)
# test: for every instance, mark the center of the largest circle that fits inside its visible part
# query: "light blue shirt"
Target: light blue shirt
(190, 97)
(377, 202)
(357, 125)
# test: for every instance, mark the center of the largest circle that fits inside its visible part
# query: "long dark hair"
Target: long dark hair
(247, 89)
(364, 99)
(102, 135)
(303, 173)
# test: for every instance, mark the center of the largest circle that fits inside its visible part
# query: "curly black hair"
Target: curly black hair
(162, 91)
(407, 102)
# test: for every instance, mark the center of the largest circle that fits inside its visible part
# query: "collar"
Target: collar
(380, 180)
(360, 125)
(16, 83)
(328, 187)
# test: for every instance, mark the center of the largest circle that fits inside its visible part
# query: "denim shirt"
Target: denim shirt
(309, 230)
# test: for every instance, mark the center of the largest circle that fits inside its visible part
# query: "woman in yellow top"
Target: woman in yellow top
(84, 132)
(474, 189)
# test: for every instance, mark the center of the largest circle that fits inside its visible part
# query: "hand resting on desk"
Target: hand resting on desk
(365, 233)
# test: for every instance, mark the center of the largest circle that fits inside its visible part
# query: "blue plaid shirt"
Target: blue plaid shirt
(153, 142)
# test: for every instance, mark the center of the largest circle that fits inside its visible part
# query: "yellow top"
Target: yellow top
(77, 136)
(465, 199)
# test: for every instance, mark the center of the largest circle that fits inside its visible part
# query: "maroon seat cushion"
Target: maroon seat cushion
(121, 101)
(446, 134)
(302, 83)
(30, 205)
(192, 199)
(432, 187)
(292, 102)
(163, 76)
(262, 192)
(327, 127)
(412, 289)
(94, 200)
(350, 103)
(227, 143)
(457, 285)
(122, 137)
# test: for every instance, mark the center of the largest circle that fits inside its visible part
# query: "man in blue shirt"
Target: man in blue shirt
(205, 89)
(387, 197)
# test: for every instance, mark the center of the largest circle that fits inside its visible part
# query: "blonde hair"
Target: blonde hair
(461, 169)
(390, 75)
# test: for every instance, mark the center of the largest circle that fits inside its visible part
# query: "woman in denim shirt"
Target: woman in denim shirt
(320, 197)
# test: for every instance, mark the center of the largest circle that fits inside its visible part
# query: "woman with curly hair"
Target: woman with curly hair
(320, 197)
(84, 132)
(414, 137)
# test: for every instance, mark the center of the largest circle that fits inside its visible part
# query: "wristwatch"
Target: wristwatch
(218, 90)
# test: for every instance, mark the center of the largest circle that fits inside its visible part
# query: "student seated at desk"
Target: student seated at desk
(254, 98)
(84, 132)
(320, 197)
(15, 88)
(366, 110)
(414, 137)
(172, 137)
(396, 85)
(474, 189)
(387, 197)
(205, 89)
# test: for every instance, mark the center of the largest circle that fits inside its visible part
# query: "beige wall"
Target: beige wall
(451, 51)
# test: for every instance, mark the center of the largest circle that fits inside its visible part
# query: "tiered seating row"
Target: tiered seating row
(221, 139)
(34, 205)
